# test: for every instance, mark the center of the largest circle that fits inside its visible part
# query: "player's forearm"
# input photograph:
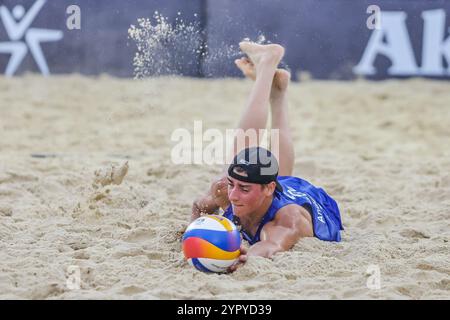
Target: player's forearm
(199, 209)
(196, 212)
(264, 249)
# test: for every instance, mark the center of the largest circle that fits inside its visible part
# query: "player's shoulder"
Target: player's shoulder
(291, 214)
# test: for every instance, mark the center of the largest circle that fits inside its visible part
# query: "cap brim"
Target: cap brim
(279, 187)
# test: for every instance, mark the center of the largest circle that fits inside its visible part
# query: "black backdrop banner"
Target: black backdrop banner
(329, 39)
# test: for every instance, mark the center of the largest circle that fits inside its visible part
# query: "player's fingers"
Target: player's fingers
(243, 258)
(231, 268)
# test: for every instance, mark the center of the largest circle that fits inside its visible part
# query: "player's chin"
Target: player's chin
(240, 210)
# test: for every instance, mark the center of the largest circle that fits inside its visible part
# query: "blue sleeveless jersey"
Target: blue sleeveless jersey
(324, 210)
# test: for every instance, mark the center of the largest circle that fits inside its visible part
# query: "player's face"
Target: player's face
(245, 197)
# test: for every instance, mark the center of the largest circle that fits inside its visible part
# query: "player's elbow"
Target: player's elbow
(195, 204)
(274, 248)
(266, 249)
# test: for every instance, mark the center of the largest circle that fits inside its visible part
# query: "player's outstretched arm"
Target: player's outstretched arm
(281, 234)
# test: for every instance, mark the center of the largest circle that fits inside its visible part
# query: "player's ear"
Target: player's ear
(269, 188)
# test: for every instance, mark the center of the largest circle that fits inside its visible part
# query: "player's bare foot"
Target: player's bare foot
(247, 67)
(262, 54)
(280, 80)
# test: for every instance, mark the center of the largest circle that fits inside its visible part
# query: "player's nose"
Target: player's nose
(233, 194)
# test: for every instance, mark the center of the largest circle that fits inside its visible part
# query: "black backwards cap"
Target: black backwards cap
(260, 165)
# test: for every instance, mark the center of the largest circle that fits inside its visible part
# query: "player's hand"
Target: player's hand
(241, 261)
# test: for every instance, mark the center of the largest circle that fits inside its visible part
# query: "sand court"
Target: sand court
(379, 148)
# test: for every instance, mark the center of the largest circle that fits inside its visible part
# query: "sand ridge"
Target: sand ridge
(379, 148)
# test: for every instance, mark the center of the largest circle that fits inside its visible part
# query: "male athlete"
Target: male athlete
(272, 208)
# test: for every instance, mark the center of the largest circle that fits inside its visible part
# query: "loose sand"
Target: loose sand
(381, 149)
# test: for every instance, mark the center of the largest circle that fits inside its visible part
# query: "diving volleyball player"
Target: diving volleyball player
(258, 193)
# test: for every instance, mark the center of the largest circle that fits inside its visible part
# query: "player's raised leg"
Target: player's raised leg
(265, 59)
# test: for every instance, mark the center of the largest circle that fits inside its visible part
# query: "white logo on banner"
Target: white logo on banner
(17, 27)
(374, 20)
(392, 41)
(74, 20)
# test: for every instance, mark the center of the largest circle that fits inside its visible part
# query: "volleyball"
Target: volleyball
(211, 243)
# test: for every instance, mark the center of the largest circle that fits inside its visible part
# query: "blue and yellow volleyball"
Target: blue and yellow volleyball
(211, 243)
